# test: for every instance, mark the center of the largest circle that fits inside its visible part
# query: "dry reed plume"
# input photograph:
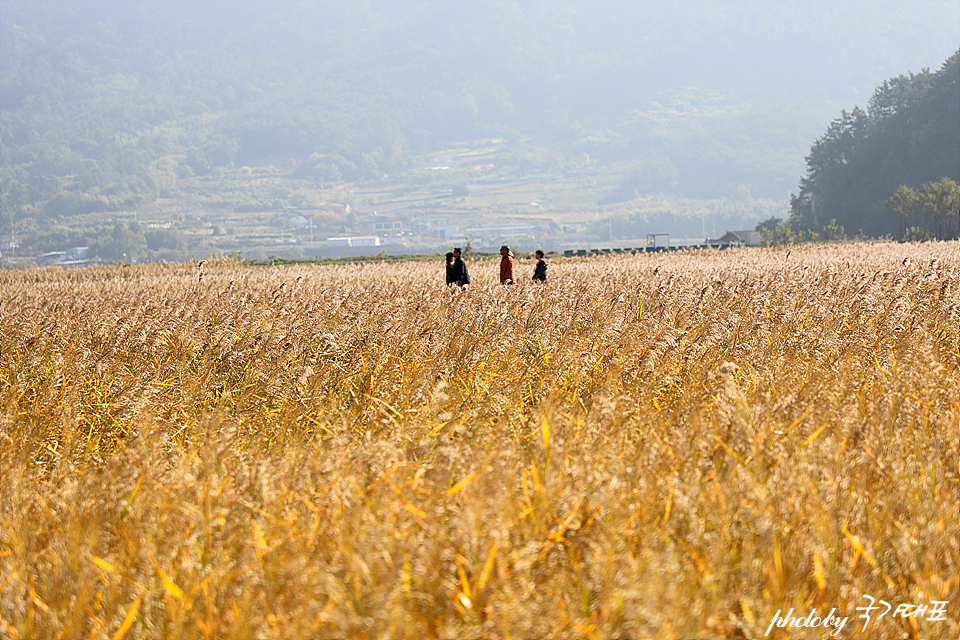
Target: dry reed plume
(659, 446)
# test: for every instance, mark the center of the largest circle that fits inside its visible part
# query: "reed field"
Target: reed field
(655, 446)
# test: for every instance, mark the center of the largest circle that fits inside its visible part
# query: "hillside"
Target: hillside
(908, 136)
(115, 108)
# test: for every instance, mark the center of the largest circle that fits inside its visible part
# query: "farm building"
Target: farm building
(74, 257)
(749, 238)
(381, 227)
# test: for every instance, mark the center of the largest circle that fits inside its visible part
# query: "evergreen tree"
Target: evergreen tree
(860, 172)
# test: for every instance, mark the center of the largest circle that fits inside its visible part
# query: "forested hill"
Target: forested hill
(909, 135)
(107, 104)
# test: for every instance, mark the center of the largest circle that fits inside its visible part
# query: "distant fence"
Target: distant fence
(569, 253)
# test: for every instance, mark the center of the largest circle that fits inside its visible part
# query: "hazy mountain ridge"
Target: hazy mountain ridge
(107, 104)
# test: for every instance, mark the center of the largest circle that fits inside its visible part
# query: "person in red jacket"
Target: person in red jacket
(506, 265)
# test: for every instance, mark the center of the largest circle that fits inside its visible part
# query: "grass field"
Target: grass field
(655, 446)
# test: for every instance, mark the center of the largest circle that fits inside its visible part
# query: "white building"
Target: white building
(354, 241)
(449, 233)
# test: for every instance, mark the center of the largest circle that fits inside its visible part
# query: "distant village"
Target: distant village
(386, 231)
(294, 232)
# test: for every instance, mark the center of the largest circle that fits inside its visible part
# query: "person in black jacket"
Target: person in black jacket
(540, 271)
(449, 264)
(459, 273)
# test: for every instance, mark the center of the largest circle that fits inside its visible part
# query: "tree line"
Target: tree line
(891, 170)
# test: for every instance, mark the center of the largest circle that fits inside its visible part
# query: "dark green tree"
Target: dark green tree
(909, 135)
(904, 206)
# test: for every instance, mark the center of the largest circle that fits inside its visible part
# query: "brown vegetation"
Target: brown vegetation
(659, 446)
